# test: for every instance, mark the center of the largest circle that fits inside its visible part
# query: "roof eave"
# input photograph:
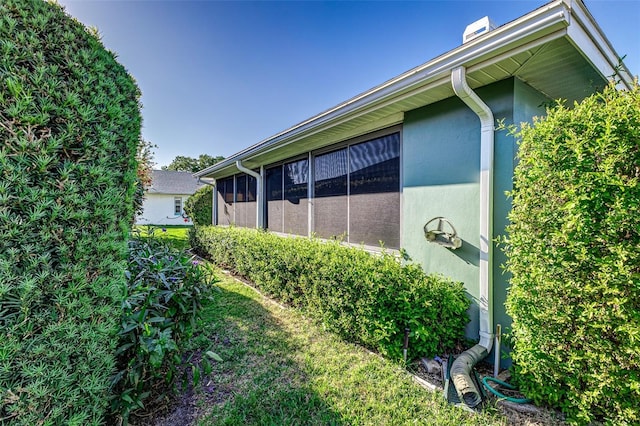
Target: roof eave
(589, 38)
(553, 20)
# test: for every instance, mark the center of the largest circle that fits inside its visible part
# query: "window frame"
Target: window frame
(310, 156)
(347, 144)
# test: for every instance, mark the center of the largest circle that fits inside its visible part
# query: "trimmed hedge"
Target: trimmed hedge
(367, 299)
(574, 251)
(199, 206)
(69, 130)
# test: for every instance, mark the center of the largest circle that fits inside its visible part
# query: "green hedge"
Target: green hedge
(69, 129)
(574, 252)
(199, 206)
(365, 298)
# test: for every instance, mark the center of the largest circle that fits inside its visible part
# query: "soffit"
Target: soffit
(544, 56)
(555, 69)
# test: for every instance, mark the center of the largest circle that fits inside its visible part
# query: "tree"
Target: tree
(144, 157)
(189, 164)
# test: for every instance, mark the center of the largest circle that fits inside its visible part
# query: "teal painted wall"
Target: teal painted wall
(527, 103)
(441, 163)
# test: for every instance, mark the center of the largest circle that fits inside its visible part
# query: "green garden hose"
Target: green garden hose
(500, 395)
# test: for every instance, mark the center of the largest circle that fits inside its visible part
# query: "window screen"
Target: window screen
(330, 194)
(375, 166)
(240, 206)
(273, 189)
(225, 201)
(374, 187)
(241, 188)
(295, 205)
(252, 187)
(177, 206)
(356, 194)
(250, 203)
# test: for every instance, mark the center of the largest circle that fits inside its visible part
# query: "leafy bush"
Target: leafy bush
(69, 130)
(365, 298)
(165, 290)
(574, 252)
(199, 206)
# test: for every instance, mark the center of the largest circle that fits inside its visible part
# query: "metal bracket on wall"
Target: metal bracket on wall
(437, 234)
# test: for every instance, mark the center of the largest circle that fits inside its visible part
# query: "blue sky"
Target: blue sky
(218, 76)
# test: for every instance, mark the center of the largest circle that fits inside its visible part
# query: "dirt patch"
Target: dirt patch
(186, 406)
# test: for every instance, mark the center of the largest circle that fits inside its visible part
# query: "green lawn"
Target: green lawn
(278, 368)
(177, 235)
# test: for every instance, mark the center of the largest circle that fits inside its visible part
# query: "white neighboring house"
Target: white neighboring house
(164, 200)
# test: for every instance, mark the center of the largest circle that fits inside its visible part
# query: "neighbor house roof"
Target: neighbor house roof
(171, 182)
(558, 49)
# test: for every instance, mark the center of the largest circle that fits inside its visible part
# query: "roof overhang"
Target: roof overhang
(558, 49)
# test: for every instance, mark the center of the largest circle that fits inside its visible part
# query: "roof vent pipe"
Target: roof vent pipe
(476, 29)
(463, 365)
(258, 177)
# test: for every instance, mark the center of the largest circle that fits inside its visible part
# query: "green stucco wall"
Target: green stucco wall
(440, 174)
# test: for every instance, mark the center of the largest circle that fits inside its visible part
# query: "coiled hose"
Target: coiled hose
(485, 382)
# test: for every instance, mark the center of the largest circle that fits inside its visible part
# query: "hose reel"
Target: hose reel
(435, 231)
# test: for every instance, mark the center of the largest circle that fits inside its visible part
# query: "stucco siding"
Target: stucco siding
(527, 103)
(441, 167)
(158, 209)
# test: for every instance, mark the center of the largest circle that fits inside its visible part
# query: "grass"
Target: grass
(278, 368)
(177, 235)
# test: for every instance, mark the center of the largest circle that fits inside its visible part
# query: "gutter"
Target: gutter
(462, 366)
(258, 176)
(551, 19)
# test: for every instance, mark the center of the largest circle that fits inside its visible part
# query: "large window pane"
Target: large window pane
(252, 184)
(250, 204)
(375, 218)
(273, 189)
(241, 188)
(241, 198)
(375, 166)
(375, 192)
(225, 201)
(330, 194)
(296, 175)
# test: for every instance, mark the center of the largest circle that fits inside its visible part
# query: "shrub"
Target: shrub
(574, 251)
(69, 126)
(199, 206)
(164, 298)
(365, 298)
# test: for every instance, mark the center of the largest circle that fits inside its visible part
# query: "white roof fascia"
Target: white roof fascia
(589, 39)
(546, 23)
(550, 17)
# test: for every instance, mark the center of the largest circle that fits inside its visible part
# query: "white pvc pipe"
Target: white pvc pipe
(462, 366)
(468, 96)
(258, 177)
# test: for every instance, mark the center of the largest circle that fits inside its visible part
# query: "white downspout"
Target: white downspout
(465, 362)
(258, 177)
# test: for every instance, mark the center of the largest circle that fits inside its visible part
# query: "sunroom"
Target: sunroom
(377, 168)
